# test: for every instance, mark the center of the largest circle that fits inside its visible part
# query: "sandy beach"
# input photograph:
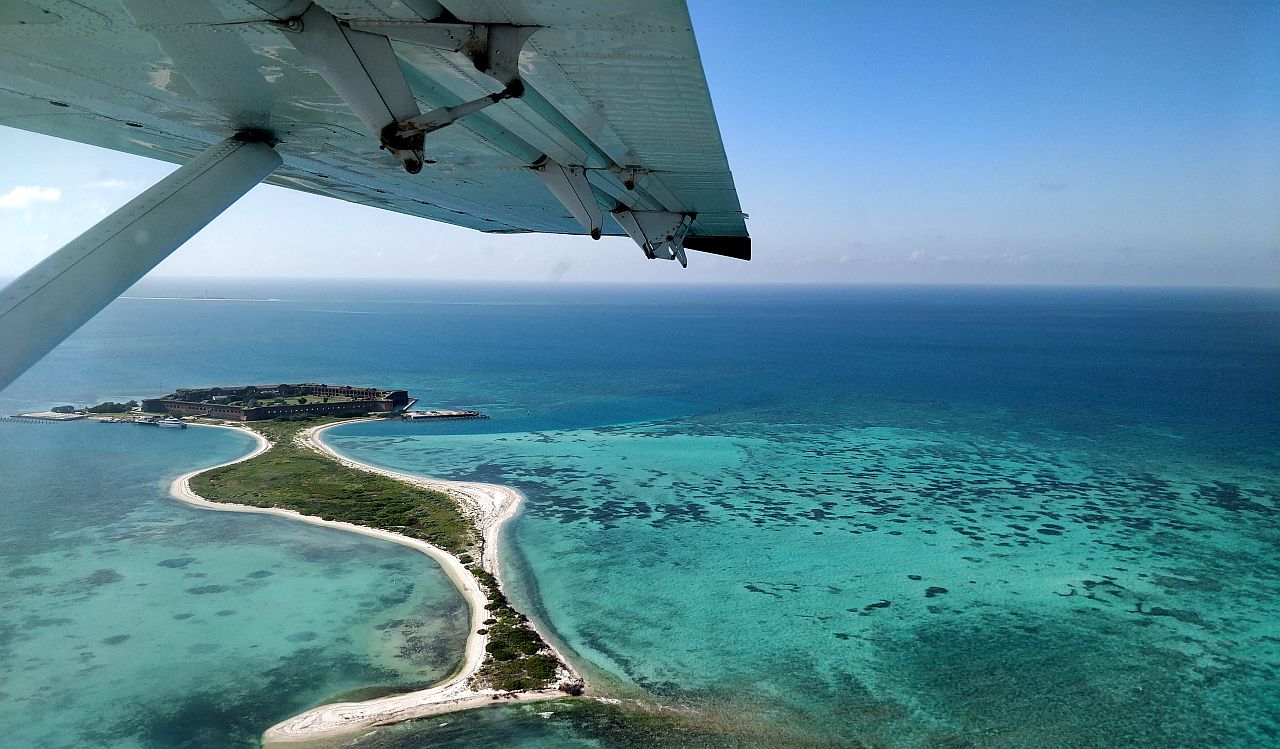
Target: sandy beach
(488, 506)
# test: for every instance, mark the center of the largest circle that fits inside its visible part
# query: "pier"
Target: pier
(49, 416)
(441, 415)
(19, 419)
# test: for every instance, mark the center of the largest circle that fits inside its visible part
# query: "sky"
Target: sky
(1133, 143)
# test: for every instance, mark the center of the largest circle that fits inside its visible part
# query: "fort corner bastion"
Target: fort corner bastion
(260, 402)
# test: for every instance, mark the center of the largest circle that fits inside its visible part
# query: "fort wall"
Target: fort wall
(191, 401)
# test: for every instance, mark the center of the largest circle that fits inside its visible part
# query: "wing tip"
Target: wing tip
(738, 248)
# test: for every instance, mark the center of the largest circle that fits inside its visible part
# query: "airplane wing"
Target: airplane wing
(615, 98)
(560, 116)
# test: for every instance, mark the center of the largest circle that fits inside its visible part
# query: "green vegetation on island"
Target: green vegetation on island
(518, 657)
(294, 477)
(110, 407)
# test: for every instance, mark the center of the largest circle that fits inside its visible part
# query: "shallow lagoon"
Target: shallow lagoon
(132, 620)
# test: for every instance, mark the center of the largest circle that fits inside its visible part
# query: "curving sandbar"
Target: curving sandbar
(488, 506)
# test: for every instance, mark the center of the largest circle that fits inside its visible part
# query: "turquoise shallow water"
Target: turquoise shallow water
(856, 576)
(131, 620)
(811, 517)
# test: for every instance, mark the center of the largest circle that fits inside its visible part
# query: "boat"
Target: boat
(171, 423)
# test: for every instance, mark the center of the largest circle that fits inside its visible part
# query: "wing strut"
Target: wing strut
(50, 301)
(357, 61)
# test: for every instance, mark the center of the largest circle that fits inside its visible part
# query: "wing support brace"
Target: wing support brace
(570, 186)
(49, 302)
(660, 234)
(405, 139)
(357, 61)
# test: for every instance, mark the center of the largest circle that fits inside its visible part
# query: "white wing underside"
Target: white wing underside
(169, 79)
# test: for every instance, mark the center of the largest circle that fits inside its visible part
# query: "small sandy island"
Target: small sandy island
(488, 506)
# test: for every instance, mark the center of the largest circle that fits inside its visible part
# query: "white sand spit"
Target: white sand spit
(488, 506)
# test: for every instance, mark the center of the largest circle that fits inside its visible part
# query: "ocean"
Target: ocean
(756, 517)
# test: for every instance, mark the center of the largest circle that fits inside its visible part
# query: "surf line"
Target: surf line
(489, 507)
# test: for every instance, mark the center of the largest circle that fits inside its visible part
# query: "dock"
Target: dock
(50, 416)
(441, 415)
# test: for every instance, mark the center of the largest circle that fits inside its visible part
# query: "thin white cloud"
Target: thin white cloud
(110, 184)
(1005, 258)
(925, 256)
(23, 197)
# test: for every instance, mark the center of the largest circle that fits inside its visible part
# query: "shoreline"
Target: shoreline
(489, 507)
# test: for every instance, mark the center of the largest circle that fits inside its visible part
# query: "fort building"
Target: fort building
(259, 402)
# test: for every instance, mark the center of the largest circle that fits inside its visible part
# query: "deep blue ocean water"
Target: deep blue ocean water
(891, 517)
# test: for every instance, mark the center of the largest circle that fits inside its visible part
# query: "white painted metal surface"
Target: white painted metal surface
(660, 234)
(50, 301)
(570, 186)
(612, 86)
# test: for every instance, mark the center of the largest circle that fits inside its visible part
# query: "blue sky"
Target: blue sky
(1121, 143)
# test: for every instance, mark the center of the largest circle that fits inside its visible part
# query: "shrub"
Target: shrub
(541, 667)
(499, 652)
(110, 407)
(571, 688)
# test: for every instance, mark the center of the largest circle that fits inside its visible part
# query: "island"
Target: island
(261, 402)
(293, 473)
(300, 401)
